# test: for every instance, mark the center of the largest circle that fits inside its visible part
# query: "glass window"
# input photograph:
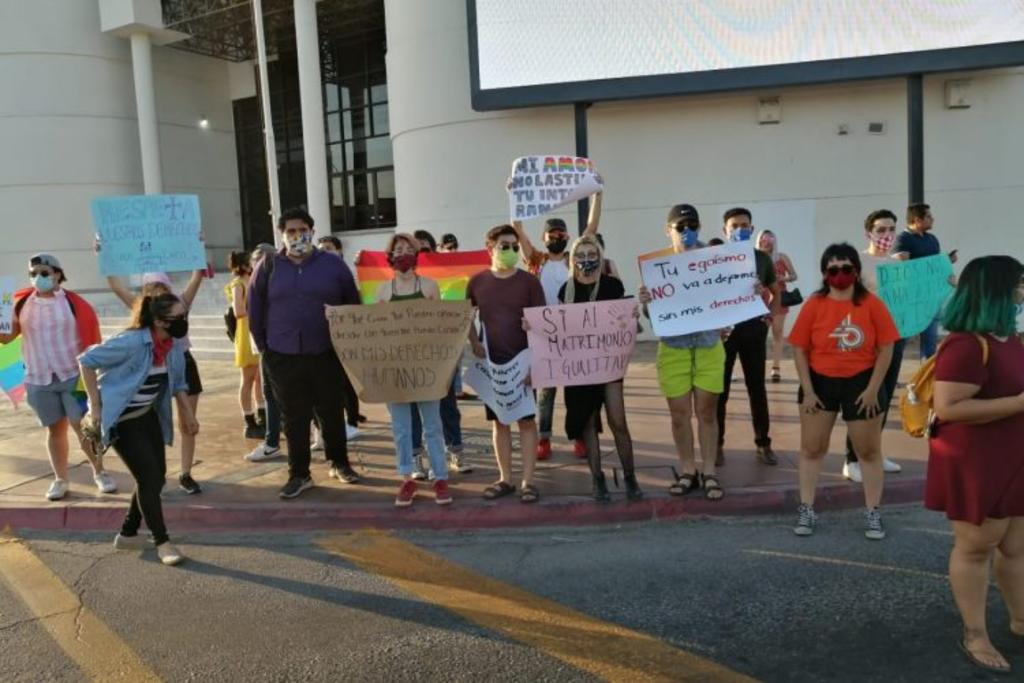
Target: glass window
(333, 127)
(336, 160)
(331, 91)
(378, 152)
(385, 184)
(381, 120)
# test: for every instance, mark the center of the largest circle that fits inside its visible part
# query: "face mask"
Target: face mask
(506, 258)
(299, 246)
(690, 238)
(841, 281)
(178, 328)
(556, 246)
(741, 234)
(883, 242)
(588, 266)
(403, 263)
(43, 283)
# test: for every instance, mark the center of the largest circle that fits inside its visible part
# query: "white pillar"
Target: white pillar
(269, 143)
(314, 142)
(145, 106)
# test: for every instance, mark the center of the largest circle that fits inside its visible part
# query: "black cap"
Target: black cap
(681, 212)
(555, 224)
(449, 238)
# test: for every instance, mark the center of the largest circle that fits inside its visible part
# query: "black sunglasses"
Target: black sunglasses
(40, 273)
(505, 246)
(686, 224)
(835, 270)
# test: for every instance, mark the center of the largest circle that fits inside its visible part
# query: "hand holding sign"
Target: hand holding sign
(541, 184)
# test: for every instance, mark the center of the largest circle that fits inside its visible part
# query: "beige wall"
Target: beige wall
(799, 177)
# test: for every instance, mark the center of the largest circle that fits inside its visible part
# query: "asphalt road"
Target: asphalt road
(709, 599)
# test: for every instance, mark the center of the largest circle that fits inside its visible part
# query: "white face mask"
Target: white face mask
(300, 245)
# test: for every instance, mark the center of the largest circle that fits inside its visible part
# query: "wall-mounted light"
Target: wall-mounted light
(204, 123)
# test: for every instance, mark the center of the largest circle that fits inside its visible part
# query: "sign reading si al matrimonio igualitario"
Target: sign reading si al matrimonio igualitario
(702, 289)
(542, 183)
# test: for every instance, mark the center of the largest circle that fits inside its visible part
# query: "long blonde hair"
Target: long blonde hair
(570, 285)
(774, 253)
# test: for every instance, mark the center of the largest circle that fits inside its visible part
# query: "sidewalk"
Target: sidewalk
(242, 495)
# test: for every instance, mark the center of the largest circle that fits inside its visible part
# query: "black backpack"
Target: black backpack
(230, 322)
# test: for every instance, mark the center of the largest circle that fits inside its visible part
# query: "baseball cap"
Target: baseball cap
(45, 260)
(555, 224)
(449, 238)
(153, 278)
(681, 212)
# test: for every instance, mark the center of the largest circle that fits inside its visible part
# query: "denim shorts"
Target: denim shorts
(55, 401)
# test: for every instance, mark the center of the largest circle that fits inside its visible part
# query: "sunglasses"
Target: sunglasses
(679, 226)
(505, 246)
(40, 273)
(835, 270)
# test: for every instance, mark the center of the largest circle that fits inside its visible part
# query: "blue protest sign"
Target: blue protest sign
(148, 233)
(914, 291)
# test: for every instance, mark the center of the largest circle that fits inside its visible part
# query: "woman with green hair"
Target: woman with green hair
(975, 461)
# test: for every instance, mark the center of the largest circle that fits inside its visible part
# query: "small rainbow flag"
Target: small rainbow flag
(451, 271)
(12, 371)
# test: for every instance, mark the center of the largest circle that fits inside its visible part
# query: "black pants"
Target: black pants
(304, 385)
(892, 378)
(749, 341)
(351, 400)
(140, 443)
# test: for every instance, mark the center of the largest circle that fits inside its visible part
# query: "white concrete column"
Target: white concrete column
(314, 142)
(145, 106)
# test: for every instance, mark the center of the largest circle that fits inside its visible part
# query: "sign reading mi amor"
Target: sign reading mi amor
(541, 184)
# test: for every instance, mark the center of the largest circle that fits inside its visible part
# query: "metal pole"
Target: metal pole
(145, 107)
(582, 206)
(314, 140)
(269, 144)
(915, 139)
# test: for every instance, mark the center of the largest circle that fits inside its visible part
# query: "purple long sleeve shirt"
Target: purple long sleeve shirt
(287, 315)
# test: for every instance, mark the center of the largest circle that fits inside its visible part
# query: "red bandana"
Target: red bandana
(161, 347)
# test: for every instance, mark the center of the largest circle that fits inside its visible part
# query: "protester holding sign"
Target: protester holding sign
(500, 295)
(583, 403)
(842, 346)
(55, 325)
(552, 268)
(407, 285)
(691, 370)
(785, 273)
(748, 340)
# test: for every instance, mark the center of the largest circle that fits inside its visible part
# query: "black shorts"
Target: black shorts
(839, 394)
(195, 385)
(491, 417)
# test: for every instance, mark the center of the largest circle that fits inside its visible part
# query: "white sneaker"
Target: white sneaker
(105, 483)
(352, 433)
(851, 471)
(169, 555)
(890, 466)
(129, 542)
(419, 471)
(58, 489)
(261, 453)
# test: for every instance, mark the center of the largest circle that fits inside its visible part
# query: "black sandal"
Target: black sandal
(498, 489)
(980, 664)
(712, 486)
(686, 482)
(529, 494)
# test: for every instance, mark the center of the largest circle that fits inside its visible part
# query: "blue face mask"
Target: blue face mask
(43, 283)
(690, 238)
(741, 234)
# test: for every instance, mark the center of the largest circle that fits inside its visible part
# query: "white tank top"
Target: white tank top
(553, 274)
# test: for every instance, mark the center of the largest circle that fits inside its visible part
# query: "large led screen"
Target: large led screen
(529, 52)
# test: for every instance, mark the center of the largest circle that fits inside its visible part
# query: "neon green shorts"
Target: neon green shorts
(680, 370)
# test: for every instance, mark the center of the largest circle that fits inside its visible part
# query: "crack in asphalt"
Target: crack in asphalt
(43, 617)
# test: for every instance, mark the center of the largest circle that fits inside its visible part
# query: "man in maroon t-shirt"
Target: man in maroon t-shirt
(500, 295)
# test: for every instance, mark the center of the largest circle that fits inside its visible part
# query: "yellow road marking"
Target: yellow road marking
(849, 563)
(603, 649)
(98, 651)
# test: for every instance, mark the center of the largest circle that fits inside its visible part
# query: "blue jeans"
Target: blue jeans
(273, 435)
(451, 422)
(402, 427)
(930, 340)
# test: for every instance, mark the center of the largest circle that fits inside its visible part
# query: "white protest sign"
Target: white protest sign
(702, 289)
(503, 387)
(540, 184)
(7, 287)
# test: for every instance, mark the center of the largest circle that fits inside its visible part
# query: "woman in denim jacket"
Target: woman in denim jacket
(130, 379)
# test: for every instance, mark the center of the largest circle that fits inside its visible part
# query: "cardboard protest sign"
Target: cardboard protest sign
(914, 291)
(503, 387)
(702, 289)
(400, 352)
(7, 288)
(148, 233)
(451, 271)
(586, 343)
(540, 184)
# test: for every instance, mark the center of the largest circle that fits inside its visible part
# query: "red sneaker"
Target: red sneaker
(406, 494)
(579, 448)
(544, 449)
(442, 495)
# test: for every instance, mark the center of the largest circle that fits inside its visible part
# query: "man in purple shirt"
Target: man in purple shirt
(287, 295)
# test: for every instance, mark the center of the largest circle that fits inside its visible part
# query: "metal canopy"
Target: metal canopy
(224, 29)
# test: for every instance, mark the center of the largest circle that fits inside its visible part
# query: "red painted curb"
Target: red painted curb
(575, 511)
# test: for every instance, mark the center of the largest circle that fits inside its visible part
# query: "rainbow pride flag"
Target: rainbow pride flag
(12, 371)
(451, 271)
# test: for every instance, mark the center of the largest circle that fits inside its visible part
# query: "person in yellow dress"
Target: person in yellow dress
(247, 360)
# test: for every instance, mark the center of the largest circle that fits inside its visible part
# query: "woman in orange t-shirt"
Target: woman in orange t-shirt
(842, 344)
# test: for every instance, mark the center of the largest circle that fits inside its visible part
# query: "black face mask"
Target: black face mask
(178, 327)
(556, 246)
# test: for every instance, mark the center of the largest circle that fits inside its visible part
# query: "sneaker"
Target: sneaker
(766, 456)
(776, 375)
(890, 466)
(873, 528)
(189, 485)
(352, 433)
(136, 542)
(105, 483)
(851, 471)
(58, 489)
(458, 462)
(442, 496)
(579, 449)
(261, 453)
(805, 521)
(544, 449)
(345, 474)
(169, 555)
(419, 461)
(406, 494)
(295, 486)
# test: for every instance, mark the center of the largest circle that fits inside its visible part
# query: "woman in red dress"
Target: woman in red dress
(976, 462)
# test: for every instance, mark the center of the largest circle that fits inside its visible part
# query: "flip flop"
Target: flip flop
(1002, 671)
